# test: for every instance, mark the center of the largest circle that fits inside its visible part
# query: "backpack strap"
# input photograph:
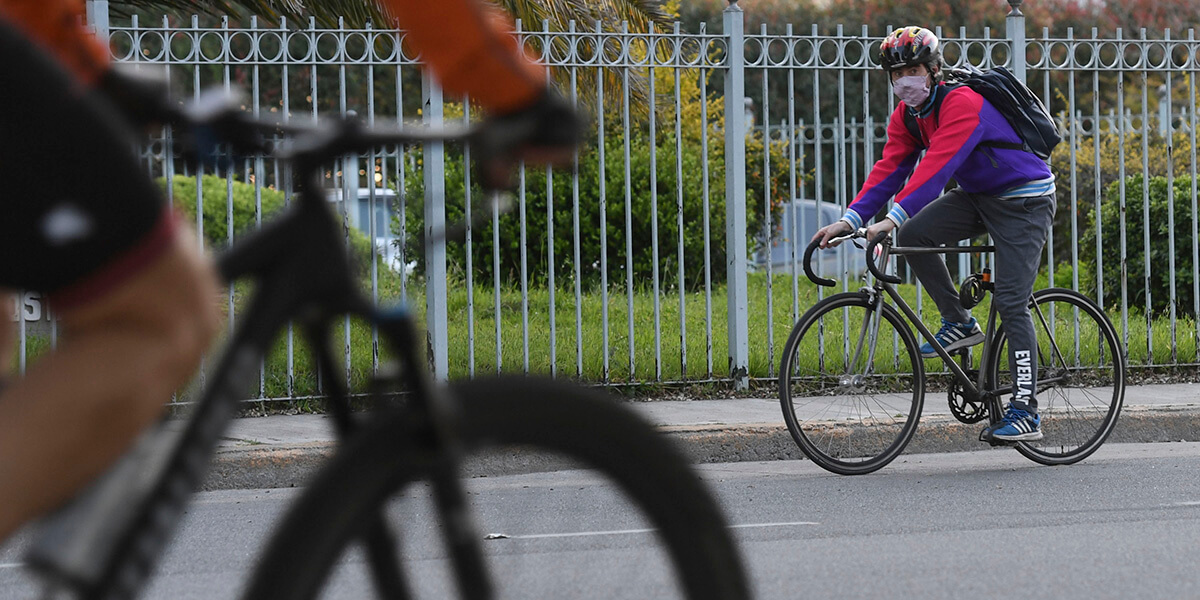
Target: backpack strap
(913, 129)
(1006, 145)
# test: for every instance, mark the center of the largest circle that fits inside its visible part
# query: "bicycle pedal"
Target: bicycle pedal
(986, 436)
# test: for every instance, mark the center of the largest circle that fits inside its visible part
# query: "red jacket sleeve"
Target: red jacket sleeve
(470, 50)
(57, 25)
(900, 155)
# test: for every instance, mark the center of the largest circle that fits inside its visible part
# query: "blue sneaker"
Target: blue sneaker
(953, 336)
(1017, 426)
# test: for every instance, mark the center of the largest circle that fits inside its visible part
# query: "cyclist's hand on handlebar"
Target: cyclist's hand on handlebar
(215, 127)
(828, 232)
(545, 132)
(216, 117)
(884, 226)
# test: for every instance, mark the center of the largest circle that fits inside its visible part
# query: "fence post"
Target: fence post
(97, 17)
(1014, 26)
(434, 170)
(735, 196)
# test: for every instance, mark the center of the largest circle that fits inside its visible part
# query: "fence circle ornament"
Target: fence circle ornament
(271, 48)
(1083, 55)
(585, 51)
(356, 47)
(152, 46)
(241, 46)
(855, 53)
(1036, 55)
(1108, 55)
(182, 47)
(1181, 58)
(998, 54)
(828, 53)
(385, 45)
(1133, 54)
(211, 46)
(1158, 56)
(753, 51)
(123, 45)
(329, 46)
(953, 52)
(299, 47)
(692, 51)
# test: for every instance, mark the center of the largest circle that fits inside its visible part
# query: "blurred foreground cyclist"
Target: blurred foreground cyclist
(136, 298)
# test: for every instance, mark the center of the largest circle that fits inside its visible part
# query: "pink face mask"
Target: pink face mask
(912, 89)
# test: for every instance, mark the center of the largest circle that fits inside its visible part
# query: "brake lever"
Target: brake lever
(853, 237)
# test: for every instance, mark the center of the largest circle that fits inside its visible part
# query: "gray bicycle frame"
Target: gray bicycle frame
(976, 389)
(973, 389)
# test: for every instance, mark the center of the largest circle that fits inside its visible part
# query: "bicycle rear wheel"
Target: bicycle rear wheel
(350, 493)
(1080, 377)
(851, 384)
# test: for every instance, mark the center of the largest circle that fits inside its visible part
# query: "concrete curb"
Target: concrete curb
(276, 466)
(257, 467)
(934, 435)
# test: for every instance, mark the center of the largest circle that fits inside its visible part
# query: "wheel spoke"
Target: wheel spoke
(1079, 402)
(843, 414)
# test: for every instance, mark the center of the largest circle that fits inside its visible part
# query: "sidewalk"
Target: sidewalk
(282, 451)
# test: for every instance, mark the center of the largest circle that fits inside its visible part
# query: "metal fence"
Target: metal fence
(650, 259)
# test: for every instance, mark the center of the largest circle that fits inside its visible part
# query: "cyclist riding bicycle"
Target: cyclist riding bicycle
(136, 298)
(1002, 190)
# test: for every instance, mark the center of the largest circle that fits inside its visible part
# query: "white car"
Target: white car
(803, 218)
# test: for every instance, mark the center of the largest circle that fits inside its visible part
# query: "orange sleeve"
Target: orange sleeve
(470, 50)
(58, 26)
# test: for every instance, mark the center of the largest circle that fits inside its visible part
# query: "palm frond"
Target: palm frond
(643, 16)
(354, 13)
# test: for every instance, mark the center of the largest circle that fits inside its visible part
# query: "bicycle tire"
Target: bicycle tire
(829, 401)
(579, 423)
(1072, 431)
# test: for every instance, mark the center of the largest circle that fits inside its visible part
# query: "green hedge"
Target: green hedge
(1077, 197)
(642, 214)
(1135, 259)
(217, 201)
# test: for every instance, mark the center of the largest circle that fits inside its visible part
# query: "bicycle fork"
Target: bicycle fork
(438, 421)
(867, 337)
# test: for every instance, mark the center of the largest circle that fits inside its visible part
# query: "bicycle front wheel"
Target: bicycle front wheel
(372, 480)
(1080, 376)
(851, 384)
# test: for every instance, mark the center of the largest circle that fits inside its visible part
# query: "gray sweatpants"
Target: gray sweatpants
(1018, 227)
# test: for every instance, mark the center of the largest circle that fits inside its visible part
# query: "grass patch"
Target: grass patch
(587, 344)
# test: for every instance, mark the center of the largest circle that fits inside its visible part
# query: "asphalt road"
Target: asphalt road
(990, 524)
